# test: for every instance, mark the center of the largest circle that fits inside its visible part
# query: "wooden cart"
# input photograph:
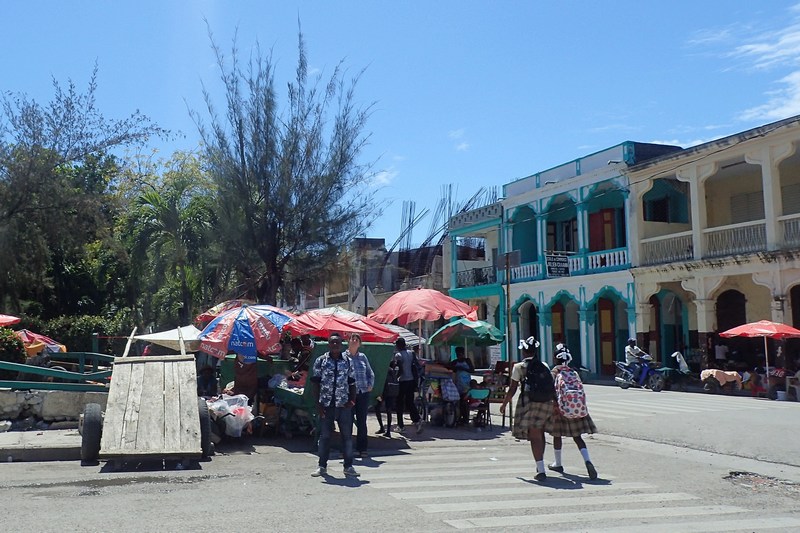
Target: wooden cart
(153, 412)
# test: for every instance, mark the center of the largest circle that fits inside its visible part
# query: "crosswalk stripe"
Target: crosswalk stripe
(659, 406)
(746, 524)
(461, 464)
(516, 491)
(475, 455)
(379, 475)
(483, 479)
(612, 514)
(553, 502)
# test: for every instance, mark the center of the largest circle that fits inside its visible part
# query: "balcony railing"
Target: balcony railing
(667, 248)
(526, 272)
(736, 239)
(475, 277)
(791, 229)
(607, 259)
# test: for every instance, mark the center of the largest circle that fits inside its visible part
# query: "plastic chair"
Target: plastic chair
(483, 415)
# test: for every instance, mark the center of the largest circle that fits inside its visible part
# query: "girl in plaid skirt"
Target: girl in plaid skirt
(531, 419)
(562, 426)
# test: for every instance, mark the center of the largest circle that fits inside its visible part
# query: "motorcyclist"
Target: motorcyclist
(633, 356)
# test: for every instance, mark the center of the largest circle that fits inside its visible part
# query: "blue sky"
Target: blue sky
(467, 93)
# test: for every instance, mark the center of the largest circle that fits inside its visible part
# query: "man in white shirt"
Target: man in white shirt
(632, 355)
(721, 354)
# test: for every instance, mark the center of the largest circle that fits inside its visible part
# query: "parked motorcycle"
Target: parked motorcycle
(624, 376)
(679, 377)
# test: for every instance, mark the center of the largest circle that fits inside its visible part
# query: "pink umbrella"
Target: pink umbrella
(323, 322)
(763, 328)
(421, 304)
(8, 320)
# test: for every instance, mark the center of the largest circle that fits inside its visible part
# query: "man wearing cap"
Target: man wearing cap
(334, 387)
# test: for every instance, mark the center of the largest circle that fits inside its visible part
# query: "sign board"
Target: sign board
(514, 260)
(557, 265)
(494, 355)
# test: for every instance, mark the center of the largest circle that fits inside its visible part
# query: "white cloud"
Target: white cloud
(384, 177)
(462, 147)
(456, 134)
(773, 49)
(782, 103)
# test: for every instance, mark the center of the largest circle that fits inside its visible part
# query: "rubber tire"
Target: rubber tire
(622, 384)
(92, 432)
(656, 382)
(205, 428)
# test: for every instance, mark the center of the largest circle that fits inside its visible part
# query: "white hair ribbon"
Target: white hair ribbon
(528, 343)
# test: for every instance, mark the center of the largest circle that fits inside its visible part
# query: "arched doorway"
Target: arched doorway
(528, 325)
(731, 312)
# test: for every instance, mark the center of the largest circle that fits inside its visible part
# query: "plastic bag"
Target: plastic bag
(234, 411)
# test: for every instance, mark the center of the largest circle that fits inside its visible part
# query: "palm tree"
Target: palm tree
(170, 231)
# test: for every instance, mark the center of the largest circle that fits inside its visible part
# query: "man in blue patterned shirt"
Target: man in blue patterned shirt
(334, 387)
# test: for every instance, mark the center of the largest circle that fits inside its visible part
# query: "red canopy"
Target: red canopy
(8, 320)
(323, 322)
(421, 304)
(762, 328)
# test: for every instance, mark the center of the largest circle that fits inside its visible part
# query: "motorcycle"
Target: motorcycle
(625, 378)
(679, 377)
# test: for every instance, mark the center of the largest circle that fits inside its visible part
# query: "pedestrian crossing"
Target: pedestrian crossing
(608, 403)
(491, 486)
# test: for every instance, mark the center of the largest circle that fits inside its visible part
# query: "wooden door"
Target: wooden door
(558, 322)
(607, 333)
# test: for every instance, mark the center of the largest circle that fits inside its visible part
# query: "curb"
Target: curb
(37, 446)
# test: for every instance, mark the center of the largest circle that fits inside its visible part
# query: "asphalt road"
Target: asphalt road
(665, 463)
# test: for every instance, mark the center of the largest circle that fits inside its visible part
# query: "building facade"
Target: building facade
(718, 242)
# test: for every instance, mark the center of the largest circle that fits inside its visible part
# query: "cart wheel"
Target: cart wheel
(92, 431)
(205, 428)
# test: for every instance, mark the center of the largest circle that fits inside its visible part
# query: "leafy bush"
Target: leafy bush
(11, 350)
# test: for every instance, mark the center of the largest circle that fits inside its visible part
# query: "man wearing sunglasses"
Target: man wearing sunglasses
(334, 387)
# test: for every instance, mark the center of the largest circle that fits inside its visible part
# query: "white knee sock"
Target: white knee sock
(585, 454)
(557, 453)
(539, 466)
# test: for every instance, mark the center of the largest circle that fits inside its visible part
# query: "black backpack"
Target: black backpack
(539, 385)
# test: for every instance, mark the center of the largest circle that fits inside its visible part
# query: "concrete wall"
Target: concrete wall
(47, 405)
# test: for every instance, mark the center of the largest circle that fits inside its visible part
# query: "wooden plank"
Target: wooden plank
(172, 416)
(189, 414)
(153, 359)
(115, 408)
(150, 432)
(130, 424)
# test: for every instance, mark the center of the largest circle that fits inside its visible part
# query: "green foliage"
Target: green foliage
(11, 350)
(291, 188)
(76, 331)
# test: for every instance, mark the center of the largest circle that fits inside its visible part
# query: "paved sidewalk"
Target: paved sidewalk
(42, 445)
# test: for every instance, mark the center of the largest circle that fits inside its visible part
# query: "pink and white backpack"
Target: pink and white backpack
(570, 393)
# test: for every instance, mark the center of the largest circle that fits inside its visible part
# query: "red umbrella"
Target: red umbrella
(421, 304)
(8, 320)
(35, 342)
(214, 312)
(763, 328)
(323, 322)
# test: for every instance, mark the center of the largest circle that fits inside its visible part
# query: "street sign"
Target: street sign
(514, 259)
(557, 265)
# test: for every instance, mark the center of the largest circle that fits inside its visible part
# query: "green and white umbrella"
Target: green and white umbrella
(464, 331)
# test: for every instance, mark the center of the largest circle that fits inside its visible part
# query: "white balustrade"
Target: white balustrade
(526, 271)
(736, 239)
(667, 248)
(791, 230)
(608, 259)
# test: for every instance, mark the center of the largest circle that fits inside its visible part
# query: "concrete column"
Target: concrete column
(705, 327)
(541, 235)
(453, 262)
(583, 229)
(698, 207)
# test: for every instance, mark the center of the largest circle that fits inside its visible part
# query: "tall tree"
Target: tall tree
(292, 190)
(55, 173)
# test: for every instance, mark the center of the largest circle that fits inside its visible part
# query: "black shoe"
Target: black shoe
(554, 468)
(591, 470)
(381, 431)
(541, 476)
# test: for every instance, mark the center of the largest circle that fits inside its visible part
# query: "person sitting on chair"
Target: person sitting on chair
(463, 368)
